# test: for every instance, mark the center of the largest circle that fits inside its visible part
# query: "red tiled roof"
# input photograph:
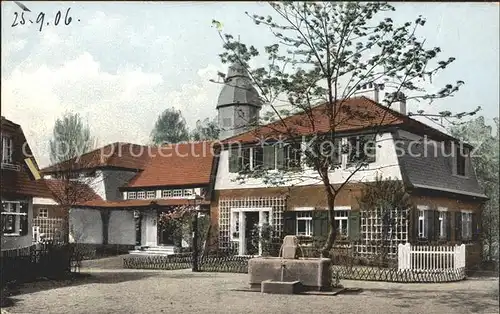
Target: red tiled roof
(141, 203)
(355, 113)
(119, 155)
(177, 165)
(20, 182)
(71, 193)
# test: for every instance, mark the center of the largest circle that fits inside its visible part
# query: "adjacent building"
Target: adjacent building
(20, 185)
(136, 185)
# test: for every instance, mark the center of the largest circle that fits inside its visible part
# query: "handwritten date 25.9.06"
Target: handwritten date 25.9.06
(42, 19)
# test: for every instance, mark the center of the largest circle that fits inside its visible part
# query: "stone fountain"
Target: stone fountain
(289, 273)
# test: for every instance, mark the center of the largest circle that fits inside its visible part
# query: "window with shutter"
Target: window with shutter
(269, 157)
(245, 159)
(258, 158)
(292, 154)
(443, 225)
(15, 218)
(304, 223)
(361, 149)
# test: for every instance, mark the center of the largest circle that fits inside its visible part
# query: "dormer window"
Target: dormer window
(461, 160)
(7, 149)
(361, 149)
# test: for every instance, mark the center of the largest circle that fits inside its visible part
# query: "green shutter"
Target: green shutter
(320, 225)
(430, 224)
(289, 222)
(234, 165)
(269, 156)
(458, 226)
(475, 229)
(258, 157)
(370, 149)
(354, 226)
(280, 157)
(448, 225)
(414, 224)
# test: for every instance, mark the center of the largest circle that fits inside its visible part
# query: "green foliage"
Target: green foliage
(265, 235)
(387, 199)
(205, 130)
(71, 138)
(322, 53)
(485, 158)
(170, 127)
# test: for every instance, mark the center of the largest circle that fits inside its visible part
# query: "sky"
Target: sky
(120, 64)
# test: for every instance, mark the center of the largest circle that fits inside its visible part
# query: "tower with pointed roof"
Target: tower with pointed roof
(239, 104)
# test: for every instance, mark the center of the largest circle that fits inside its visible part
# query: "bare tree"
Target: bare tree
(74, 176)
(323, 53)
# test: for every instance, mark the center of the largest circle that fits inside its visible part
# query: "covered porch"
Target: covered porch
(135, 223)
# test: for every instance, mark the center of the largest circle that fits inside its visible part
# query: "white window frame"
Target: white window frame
(166, 193)
(7, 149)
(131, 195)
(17, 217)
(177, 193)
(187, 192)
(466, 225)
(443, 223)
(342, 220)
(151, 194)
(242, 221)
(141, 195)
(43, 213)
(422, 221)
(305, 216)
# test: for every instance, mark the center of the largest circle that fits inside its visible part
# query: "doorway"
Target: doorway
(245, 226)
(252, 233)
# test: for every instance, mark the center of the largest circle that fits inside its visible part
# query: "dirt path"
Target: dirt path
(133, 291)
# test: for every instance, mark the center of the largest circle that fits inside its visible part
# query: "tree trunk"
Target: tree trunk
(332, 233)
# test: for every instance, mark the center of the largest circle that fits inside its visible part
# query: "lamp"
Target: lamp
(195, 202)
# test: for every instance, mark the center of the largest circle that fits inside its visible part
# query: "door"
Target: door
(252, 233)
(165, 234)
(152, 241)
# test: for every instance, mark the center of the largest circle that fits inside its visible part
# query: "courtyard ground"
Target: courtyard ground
(104, 288)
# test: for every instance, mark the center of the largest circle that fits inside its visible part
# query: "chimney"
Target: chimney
(399, 104)
(369, 90)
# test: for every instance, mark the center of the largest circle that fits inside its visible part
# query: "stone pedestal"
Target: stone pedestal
(280, 287)
(313, 273)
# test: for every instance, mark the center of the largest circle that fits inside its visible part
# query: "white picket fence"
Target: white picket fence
(426, 257)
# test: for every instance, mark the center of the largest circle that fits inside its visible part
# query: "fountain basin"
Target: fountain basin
(281, 287)
(312, 273)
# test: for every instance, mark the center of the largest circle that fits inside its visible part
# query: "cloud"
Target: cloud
(121, 106)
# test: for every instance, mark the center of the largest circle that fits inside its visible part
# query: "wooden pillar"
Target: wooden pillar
(138, 229)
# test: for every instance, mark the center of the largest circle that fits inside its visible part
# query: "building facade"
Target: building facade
(20, 184)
